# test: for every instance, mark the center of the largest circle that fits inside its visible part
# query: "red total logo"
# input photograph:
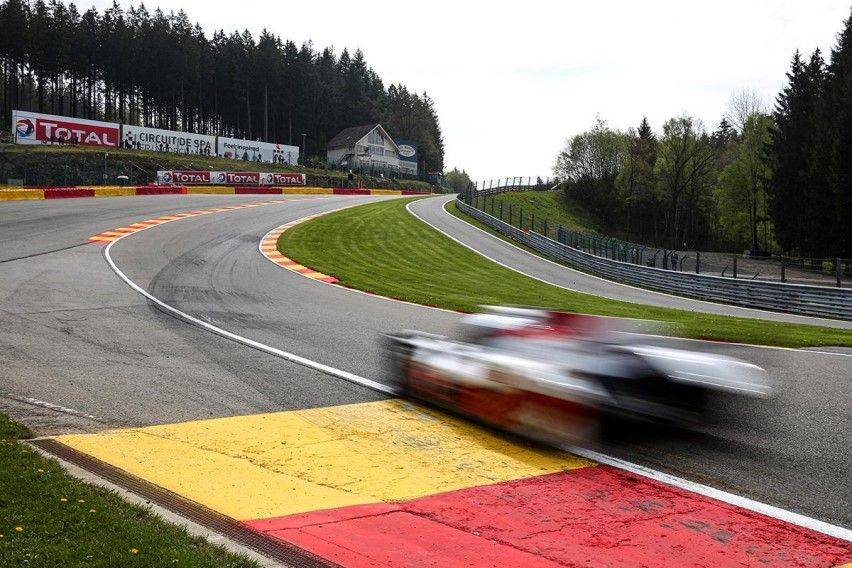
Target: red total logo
(242, 178)
(190, 177)
(50, 131)
(278, 178)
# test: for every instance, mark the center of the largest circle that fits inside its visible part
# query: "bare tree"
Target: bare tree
(741, 106)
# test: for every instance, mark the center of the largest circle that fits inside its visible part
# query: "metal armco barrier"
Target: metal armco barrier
(802, 299)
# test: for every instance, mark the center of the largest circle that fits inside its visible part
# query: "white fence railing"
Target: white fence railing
(803, 299)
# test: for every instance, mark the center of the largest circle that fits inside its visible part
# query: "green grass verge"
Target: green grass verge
(48, 518)
(540, 205)
(381, 248)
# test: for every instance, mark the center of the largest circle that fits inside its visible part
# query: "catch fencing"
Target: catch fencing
(747, 266)
(822, 301)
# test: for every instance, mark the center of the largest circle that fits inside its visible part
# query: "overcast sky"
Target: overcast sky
(512, 80)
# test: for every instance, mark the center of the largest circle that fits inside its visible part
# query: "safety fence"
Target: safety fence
(823, 301)
(813, 271)
(518, 183)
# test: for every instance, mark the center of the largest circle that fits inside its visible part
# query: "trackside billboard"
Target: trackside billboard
(249, 151)
(158, 140)
(38, 128)
(184, 177)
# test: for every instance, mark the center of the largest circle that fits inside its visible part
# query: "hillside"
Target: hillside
(80, 165)
(550, 205)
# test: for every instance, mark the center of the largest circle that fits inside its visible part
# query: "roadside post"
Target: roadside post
(735, 266)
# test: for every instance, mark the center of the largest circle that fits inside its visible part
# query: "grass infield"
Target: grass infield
(382, 248)
(48, 518)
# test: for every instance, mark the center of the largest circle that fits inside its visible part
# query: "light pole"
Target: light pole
(304, 136)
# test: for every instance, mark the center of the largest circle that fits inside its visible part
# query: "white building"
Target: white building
(365, 147)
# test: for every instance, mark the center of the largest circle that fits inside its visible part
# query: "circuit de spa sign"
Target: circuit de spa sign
(202, 177)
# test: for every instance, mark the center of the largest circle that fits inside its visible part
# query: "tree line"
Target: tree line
(770, 181)
(161, 70)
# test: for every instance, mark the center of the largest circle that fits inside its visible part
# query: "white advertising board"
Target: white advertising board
(250, 151)
(204, 177)
(39, 128)
(158, 140)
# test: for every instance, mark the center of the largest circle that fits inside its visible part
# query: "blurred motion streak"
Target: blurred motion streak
(559, 377)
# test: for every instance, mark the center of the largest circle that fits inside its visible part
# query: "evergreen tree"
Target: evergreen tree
(158, 69)
(839, 120)
(790, 156)
(636, 182)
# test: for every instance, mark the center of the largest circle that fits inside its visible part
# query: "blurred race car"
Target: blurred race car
(556, 376)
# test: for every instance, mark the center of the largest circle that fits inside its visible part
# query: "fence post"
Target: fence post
(511, 215)
(735, 266)
(521, 222)
(501, 209)
(697, 262)
(545, 226)
(783, 274)
(837, 270)
(532, 221)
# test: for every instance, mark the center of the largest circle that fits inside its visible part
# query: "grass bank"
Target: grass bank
(48, 518)
(539, 205)
(382, 248)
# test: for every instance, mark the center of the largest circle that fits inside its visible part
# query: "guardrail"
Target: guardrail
(802, 299)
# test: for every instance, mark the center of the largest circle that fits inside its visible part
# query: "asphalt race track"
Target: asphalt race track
(76, 336)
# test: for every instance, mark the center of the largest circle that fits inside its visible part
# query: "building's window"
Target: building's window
(374, 137)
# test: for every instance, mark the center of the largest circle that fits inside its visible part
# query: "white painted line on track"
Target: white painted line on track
(707, 491)
(708, 341)
(613, 282)
(724, 496)
(292, 357)
(50, 406)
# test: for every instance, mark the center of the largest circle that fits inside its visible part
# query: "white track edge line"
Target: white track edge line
(707, 491)
(292, 357)
(49, 405)
(483, 255)
(717, 494)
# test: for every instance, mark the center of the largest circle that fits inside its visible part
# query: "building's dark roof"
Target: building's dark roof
(349, 136)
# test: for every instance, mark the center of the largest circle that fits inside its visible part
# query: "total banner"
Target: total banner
(158, 140)
(183, 177)
(38, 128)
(250, 151)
